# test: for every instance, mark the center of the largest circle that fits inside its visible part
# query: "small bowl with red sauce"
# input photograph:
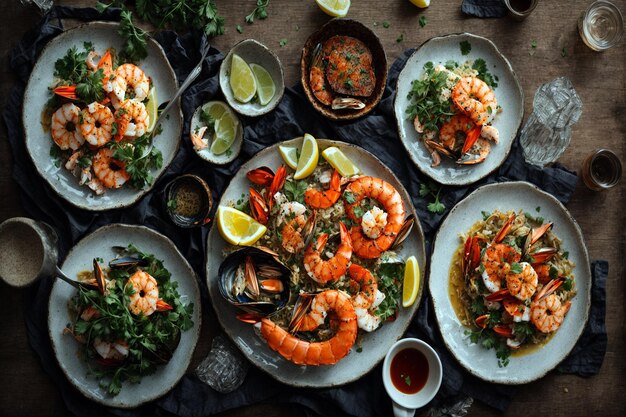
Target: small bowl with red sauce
(412, 375)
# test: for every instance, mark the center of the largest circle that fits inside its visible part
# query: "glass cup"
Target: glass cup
(601, 26)
(601, 170)
(520, 9)
(224, 369)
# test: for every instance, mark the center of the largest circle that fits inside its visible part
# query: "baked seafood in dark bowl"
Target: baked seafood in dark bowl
(343, 69)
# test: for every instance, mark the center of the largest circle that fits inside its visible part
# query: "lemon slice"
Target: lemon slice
(335, 8)
(422, 4)
(152, 107)
(215, 109)
(340, 161)
(237, 227)
(309, 155)
(225, 133)
(242, 80)
(290, 155)
(411, 283)
(265, 87)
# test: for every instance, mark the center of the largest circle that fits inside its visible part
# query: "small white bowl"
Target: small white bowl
(253, 52)
(206, 153)
(405, 404)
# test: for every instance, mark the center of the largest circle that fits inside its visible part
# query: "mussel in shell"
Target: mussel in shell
(254, 280)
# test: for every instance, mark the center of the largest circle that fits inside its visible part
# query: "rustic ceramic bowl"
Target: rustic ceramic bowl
(476, 359)
(206, 153)
(66, 348)
(102, 35)
(508, 94)
(253, 52)
(374, 345)
(200, 188)
(359, 31)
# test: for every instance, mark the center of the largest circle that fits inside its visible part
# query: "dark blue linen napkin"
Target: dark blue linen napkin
(484, 8)
(293, 117)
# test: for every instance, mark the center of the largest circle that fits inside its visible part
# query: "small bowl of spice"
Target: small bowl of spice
(188, 201)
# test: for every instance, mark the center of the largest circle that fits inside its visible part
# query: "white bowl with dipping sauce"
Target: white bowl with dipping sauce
(412, 375)
(28, 251)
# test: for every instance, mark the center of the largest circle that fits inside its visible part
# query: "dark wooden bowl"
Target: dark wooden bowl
(346, 27)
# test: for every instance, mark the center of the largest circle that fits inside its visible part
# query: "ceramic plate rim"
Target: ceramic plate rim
(192, 334)
(399, 113)
(276, 373)
(582, 273)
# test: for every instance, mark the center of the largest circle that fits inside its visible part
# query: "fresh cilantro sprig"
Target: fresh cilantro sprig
(259, 12)
(466, 47)
(72, 67)
(139, 168)
(483, 73)
(294, 190)
(135, 39)
(433, 190)
(424, 99)
(390, 277)
(90, 89)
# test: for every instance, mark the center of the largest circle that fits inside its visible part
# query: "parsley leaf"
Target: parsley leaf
(430, 188)
(516, 268)
(90, 88)
(466, 47)
(483, 73)
(259, 11)
(423, 21)
(135, 39)
(294, 190)
(72, 67)
(282, 42)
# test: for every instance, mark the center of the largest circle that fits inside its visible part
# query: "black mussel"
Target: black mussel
(165, 350)
(404, 232)
(98, 274)
(254, 280)
(127, 262)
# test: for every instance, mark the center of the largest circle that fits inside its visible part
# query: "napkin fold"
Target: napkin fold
(294, 116)
(484, 8)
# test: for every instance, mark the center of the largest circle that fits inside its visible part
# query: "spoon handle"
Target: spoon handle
(60, 274)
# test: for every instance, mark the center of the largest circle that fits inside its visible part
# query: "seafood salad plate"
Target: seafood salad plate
(458, 108)
(88, 113)
(510, 281)
(128, 334)
(316, 300)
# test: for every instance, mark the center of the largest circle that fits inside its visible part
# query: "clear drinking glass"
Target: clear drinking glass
(43, 5)
(601, 170)
(224, 369)
(601, 26)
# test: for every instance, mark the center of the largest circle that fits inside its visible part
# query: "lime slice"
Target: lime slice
(237, 228)
(422, 4)
(309, 155)
(242, 80)
(411, 283)
(152, 107)
(335, 8)
(215, 109)
(290, 155)
(225, 133)
(340, 162)
(265, 87)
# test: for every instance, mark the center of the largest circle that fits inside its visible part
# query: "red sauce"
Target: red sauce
(409, 370)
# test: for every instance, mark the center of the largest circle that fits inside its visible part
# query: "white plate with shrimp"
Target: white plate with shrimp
(102, 35)
(535, 362)
(66, 348)
(508, 94)
(373, 346)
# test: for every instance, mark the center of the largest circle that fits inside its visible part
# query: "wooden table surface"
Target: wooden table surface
(599, 78)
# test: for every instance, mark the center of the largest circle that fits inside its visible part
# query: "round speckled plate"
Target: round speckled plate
(477, 360)
(66, 348)
(374, 345)
(102, 35)
(509, 95)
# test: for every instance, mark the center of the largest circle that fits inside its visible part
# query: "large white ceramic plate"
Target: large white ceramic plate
(374, 346)
(477, 360)
(508, 94)
(66, 349)
(102, 35)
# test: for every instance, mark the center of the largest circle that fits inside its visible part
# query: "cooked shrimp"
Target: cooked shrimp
(117, 350)
(324, 271)
(64, 127)
(490, 133)
(110, 171)
(197, 138)
(318, 199)
(548, 313)
(516, 309)
(373, 222)
(524, 284)
(129, 76)
(457, 123)
(366, 299)
(476, 154)
(327, 352)
(543, 272)
(473, 97)
(497, 260)
(97, 124)
(144, 300)
(291, 217)
(132, 119)
(390, 199)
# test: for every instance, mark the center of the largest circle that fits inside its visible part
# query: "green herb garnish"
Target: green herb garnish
(259, 11)
(423, 21)
(430, 188)
(466, 47)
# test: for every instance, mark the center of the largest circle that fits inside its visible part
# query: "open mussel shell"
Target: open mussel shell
(127, 262)
(404, 232)
(232, 277)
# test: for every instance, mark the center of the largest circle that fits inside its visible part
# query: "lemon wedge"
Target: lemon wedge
(340, 161)
(309, 155)
(152, 107)
(237, 228)
(422, 4)
(411, 283)
(290, 155)
(265, 87)
(334, 8)
(242, 80)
